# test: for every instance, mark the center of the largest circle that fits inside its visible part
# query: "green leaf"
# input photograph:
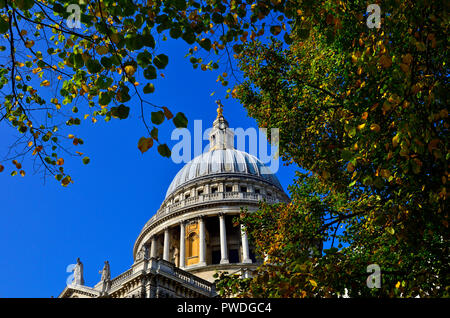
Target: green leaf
(106, 62)
(175, 32)
(275, 29)
(206, 44)
(347, 155)
(157, 117)
(4, 26)
(303, 33)
(189, 37)
(161, 61)
(180, 120)
(180, 4)
(93, 66)
(144, 59)
(25, 4)
(122, 94)
(120, 112)
(154, 133)
(147, 39)
(104, 98)
(150, 72)
(287, 39)
(149, 88)
(86, 160)
(164, 150)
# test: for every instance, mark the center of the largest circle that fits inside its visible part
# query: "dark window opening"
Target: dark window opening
(243, 189)
(216, 257)
(252, 255)
(257, 191)
(233, 256)
(228, 189)
(213, 189)
(199, 192)
(187, 196)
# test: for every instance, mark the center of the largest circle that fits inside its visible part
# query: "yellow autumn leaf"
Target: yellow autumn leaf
(313, 282)
(29, 44)
(395, 140)
(375, 127)
(45, 83)
(130, 70)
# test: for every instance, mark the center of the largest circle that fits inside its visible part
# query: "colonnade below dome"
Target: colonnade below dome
(202, 241)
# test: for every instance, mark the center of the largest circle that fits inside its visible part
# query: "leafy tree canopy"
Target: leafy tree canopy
(364, 112)
(87, 55)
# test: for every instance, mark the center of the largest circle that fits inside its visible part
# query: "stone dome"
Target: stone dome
(222, 162)
(193, 228)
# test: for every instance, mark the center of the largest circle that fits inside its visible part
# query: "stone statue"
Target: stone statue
(142, 253)
(78, 273)
(176, 255)
(106, 273)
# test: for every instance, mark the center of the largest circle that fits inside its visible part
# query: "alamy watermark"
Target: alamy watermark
(374, 18)
(74, 19)
(374, 279)
(257, 144)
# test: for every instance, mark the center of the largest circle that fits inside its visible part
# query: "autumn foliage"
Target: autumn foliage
(364, 112)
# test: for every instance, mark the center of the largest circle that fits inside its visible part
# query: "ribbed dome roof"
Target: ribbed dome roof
(222, 161)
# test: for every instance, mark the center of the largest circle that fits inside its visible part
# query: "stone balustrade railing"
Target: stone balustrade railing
(164, 267)
(210, 198)
(185, 276)
(116, 280)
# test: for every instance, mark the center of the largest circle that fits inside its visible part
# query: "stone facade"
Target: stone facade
(147, 278)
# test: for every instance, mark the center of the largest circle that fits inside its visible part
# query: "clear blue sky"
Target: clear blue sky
(44, 227)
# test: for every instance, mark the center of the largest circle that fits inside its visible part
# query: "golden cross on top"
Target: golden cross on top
(219, 108)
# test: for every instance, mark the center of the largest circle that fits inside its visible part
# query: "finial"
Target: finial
(219, 108)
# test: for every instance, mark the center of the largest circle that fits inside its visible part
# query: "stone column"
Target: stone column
(153, 247)
(182, 244)
(166, 245)
(202, 243)
(245, 250)
(223, 240)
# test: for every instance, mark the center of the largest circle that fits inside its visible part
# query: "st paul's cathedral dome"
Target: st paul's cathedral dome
(191, 236)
